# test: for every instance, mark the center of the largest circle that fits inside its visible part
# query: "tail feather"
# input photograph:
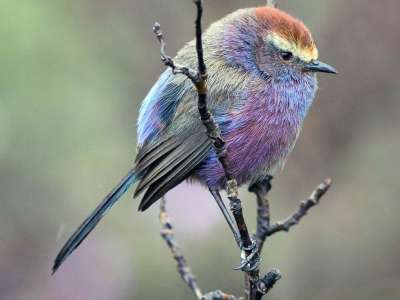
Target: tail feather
(90, 223)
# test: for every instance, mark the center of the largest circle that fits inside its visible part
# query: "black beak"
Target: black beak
(319, 66)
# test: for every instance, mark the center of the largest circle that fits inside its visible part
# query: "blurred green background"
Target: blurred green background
(72, 76)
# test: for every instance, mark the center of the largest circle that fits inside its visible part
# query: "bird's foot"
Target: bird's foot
(250, 258)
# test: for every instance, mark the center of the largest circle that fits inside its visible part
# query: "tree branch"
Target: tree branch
(167, 60)
(199, 79)
(265, 284)
(261, 188)
(168, 235)
(305, 206)
(214, 133)
(256, 289)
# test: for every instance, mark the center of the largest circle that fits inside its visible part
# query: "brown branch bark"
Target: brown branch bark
(167, 233)
(199, 79)
(264, 228)
(214, 132)
(183, 268)
(305, 206)
(256, 289)
(261, 188)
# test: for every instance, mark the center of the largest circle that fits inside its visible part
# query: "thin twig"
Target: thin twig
(214, 133)
(218, 295)
(255, 289)
(305, 206)
(261, 188)
(168, 235)
(167, 60)
(265, 284)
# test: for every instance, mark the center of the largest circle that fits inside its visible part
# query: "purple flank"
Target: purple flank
(262, 134)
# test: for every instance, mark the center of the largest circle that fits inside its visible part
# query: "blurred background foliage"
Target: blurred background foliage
(72, 76)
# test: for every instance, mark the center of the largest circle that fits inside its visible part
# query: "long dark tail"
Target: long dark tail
(90, 223)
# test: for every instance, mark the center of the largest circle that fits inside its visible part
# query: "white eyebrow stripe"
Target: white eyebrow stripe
(281, 43)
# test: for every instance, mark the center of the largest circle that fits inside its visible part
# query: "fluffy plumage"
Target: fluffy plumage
(260, 113)
(261, 65)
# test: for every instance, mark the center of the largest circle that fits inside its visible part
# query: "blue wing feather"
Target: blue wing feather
(159, 106)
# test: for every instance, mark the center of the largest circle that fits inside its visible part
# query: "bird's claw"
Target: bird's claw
(249, 262)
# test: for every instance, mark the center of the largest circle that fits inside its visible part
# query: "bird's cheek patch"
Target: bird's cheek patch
(305, 54)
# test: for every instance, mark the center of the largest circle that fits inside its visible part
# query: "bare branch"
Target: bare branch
(261, 188)
(305, 206)
(199, 79)
(219, 144)
(199, 39)
(218, 295)
(256, 289)
(167, 60)
(265, 284)
(168, 235)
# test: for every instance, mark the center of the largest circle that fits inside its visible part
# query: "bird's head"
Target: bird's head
(276, 43)
(285, 45)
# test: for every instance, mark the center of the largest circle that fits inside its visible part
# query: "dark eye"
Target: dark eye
(286, 55)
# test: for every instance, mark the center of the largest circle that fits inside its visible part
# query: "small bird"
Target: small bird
(262, 66)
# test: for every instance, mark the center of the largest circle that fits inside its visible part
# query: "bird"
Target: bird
(262, 65)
